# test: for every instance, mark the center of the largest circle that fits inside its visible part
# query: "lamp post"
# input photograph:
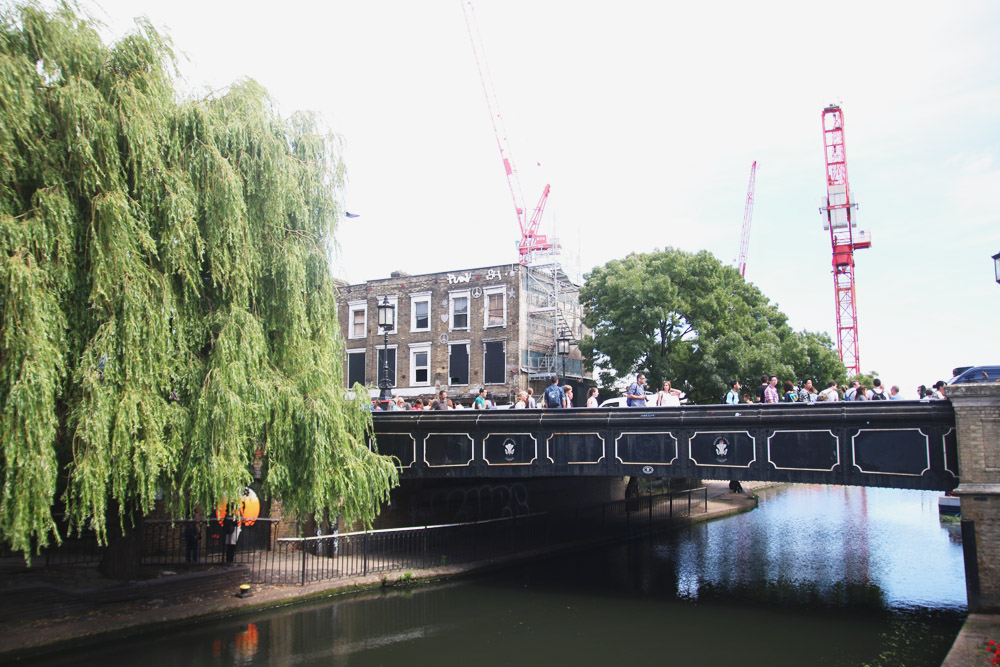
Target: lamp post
(386, 322)
(996, 267)
(562, 349)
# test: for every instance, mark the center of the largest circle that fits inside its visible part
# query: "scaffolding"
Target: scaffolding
(553, 307)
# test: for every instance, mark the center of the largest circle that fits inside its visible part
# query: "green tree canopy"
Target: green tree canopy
(689, 319)
(166, 303)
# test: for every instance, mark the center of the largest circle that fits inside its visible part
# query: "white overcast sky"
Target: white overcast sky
(645, 118)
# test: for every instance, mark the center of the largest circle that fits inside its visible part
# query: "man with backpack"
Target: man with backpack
(732, 396)
(877, 393)
(636, 397)
(554, 396)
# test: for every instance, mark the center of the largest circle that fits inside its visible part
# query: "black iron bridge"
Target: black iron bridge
(897, 444)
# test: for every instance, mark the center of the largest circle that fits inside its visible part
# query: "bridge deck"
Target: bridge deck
(899, 444)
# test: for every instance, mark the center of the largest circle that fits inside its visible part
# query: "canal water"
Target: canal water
(815, 576)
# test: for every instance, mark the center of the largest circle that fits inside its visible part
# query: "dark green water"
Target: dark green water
(814, 576)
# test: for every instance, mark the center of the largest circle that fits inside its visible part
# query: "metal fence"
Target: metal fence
(301, 560)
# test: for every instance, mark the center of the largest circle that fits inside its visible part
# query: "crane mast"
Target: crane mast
(839, 217)
(531, 241)
(741, 261)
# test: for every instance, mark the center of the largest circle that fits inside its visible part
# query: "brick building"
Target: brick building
(494, 327)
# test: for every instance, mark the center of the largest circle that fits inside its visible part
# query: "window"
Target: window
(494, 363)
(392, 364)
(495, 307)
(357, 320)
(355, 367)
(420, 365)
(459, 307)
(420, 312)
(458, 363)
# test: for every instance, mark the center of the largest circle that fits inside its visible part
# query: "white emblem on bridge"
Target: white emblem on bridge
(508, 449)
(721, 450)
(647, 470)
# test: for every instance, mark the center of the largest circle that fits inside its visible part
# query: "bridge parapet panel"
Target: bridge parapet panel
(901, 444)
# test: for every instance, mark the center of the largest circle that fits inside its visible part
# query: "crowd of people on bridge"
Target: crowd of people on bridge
(557, 396)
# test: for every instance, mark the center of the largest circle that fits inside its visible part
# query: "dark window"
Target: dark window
(356, 369)
(392, 364)
(460, 313)
(421, 317)
(494, 364)
(458, 364)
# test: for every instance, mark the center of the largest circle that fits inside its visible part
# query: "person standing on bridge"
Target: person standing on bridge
(668, 396)
(441, 402)
(636, 397)
(480, 402)
(762, 388)
(771, 391)
(733, 395)
(592, 397)
(830, 392)
(554, 396)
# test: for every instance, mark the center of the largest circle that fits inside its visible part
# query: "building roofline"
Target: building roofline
(433, 273)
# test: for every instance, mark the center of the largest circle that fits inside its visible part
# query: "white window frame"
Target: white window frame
(378, 366)
(353, 307)
(502, 291)
(416, 348)
(414, 300)
(452, 297)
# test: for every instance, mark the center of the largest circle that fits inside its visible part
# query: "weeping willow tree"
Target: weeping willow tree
(166, 305)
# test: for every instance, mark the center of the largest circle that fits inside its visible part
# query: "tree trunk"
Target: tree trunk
(122, 558)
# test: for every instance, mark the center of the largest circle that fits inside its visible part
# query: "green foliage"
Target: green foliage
(689, 319)
(166, 305)
(865, 379)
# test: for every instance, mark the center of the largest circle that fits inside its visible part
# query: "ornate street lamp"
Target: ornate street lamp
(996, 267)
(562, 349)
(386, 322)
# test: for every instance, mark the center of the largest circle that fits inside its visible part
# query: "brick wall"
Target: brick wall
(440, 288)
(977, 420)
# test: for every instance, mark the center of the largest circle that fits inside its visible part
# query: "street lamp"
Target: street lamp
(996, 266)
(562, 349)
(386, 322)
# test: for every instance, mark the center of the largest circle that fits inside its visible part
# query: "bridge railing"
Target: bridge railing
(302, 560)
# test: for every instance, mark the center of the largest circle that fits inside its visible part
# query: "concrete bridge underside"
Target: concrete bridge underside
(896, 444)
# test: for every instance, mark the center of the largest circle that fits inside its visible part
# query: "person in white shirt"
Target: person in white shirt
(668, 397)
(831, 392)
(592, 398)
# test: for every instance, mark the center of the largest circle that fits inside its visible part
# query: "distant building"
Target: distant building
(495, 327)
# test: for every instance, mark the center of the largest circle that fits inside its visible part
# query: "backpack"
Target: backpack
(552, 399)
(879, 396)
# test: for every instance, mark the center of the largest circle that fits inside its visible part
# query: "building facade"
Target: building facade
(494, 327)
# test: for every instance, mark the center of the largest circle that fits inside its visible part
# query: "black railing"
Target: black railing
(302, 560)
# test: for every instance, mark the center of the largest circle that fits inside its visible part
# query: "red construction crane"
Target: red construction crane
(531, 240)
(741, 261)
(840, 213)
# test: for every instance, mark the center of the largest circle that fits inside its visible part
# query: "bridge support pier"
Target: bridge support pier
(977, 420)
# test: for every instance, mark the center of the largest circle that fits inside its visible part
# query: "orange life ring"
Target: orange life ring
(248, 512)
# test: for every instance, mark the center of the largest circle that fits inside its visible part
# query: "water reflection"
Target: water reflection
(873, 573)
